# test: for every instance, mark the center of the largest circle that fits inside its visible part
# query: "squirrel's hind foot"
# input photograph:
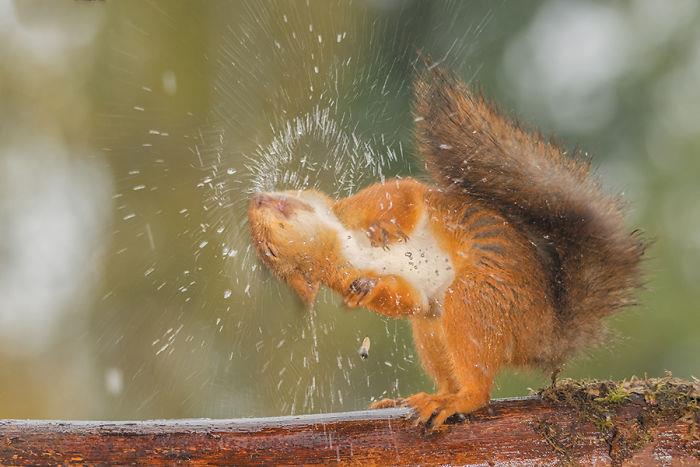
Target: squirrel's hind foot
(387, 403)
(432, 410)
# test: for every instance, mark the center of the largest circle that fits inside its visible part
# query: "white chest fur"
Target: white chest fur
(420, 260)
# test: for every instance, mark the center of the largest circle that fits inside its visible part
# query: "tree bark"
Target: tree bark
(581, 424)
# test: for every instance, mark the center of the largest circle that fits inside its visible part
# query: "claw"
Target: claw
(359, 290)
(383, 233)
(387, 403)
(433, 410)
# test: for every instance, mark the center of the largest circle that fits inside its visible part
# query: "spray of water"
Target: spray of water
(303, 95)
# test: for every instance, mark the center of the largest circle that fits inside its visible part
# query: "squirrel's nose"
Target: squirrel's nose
(261, 200)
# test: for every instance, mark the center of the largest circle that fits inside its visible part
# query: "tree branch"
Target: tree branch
(641, 421)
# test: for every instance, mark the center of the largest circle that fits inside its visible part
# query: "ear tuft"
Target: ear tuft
(305, 289)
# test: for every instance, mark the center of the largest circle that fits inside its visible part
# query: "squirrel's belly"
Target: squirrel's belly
(420, 260)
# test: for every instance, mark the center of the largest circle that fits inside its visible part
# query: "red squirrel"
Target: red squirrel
(512, 258)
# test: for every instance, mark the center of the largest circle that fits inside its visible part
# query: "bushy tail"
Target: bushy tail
(469, 146)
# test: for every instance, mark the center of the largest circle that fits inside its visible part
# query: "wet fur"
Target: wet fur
(540, 254)
(591, 258)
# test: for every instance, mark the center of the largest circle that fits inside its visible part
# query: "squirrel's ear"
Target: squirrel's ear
(305, 288)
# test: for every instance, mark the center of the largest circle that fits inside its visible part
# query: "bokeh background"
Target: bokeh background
(132, 132)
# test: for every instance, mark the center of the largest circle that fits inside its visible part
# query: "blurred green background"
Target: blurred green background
(132, 132)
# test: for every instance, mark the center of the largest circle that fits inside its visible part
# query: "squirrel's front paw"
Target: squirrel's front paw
(360, 292)
(384, 233)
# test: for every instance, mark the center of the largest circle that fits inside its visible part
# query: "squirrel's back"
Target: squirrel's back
(590, 257)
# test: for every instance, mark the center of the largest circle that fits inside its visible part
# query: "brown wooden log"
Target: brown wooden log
(568, 424)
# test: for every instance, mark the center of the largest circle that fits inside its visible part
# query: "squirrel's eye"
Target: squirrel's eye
(270, 251)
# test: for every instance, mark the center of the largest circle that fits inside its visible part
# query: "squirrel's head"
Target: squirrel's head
(292, 236)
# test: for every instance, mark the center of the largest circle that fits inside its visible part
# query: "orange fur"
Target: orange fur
(537, 258)
(494, 313)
